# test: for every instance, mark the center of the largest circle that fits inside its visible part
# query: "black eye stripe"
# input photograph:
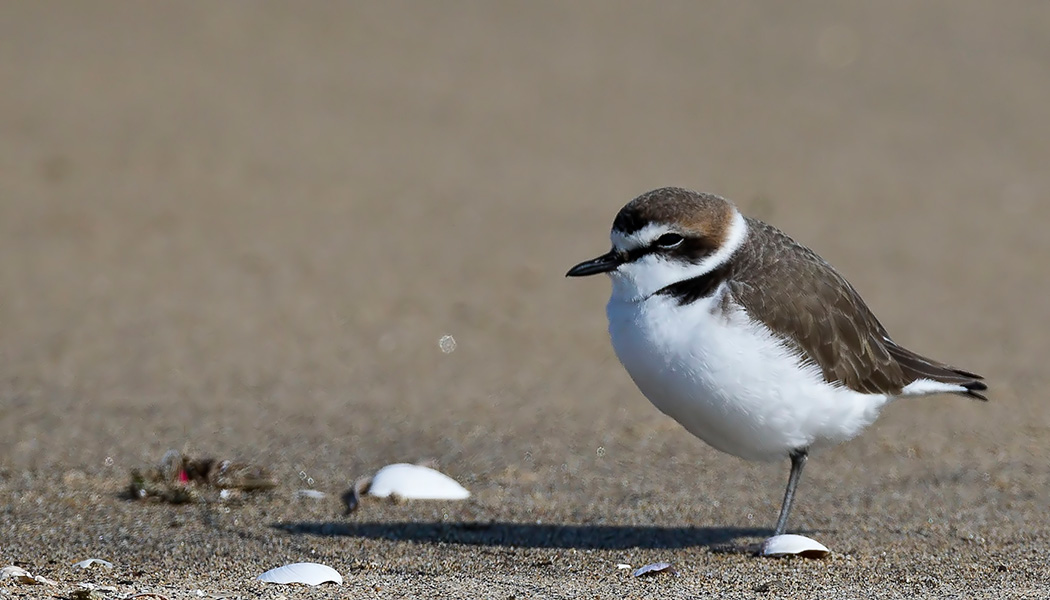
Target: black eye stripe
(691, 249)
(696, 248)
(636, 253)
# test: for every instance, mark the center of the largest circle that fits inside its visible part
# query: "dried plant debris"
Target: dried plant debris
(405, 482)
(305, 573)
(180, 479)
(352, 497)
(20, 575)
(90, 591)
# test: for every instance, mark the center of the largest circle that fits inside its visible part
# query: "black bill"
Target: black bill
(602, 264)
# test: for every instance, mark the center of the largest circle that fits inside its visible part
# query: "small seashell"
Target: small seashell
(311, 494)
(44, 580)
(447, 343)
(22, 576)
(13, 571)
(790, 544)
(415, 482)
(307, 573)
(93, 561)
(623, 566)
(651, 569)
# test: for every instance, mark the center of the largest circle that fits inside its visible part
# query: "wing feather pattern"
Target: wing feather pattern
(819, 313)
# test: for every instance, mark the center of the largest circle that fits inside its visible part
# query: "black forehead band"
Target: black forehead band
(629, 221)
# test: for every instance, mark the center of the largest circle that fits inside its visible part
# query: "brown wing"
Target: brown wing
(833, 327)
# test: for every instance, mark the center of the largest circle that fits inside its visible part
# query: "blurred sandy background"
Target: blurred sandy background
(241, 229)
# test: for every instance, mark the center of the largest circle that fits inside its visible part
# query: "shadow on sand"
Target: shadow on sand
(531, 535)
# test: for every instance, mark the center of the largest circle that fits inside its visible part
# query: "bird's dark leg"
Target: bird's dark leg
(798, 460)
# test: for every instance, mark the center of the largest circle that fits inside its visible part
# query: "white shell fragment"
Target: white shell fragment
(651, 569)
(13, 571)
(310, 494)
(790, 544)
(415, 482)
(22, 576)
(447, 343)
(93, 561)
(307, 573)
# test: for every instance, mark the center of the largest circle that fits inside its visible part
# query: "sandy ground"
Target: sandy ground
(240, 230)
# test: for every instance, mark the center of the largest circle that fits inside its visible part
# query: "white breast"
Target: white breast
(729, 380)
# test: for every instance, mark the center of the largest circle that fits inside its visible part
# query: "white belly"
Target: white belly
(730, 381)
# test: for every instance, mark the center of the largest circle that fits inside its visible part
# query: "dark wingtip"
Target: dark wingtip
(919, 367)
(968, 374)
(974, 388)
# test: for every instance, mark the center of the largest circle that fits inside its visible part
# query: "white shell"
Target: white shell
(308, 573)
(93, 561)
(651, 569)
(447, 343)
(13, 571)
(415, 482)
(790, 544)
(22, 576)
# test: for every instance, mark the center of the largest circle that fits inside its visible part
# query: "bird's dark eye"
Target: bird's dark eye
(669, 240)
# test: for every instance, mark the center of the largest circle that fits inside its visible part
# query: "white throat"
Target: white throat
(635, 281)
